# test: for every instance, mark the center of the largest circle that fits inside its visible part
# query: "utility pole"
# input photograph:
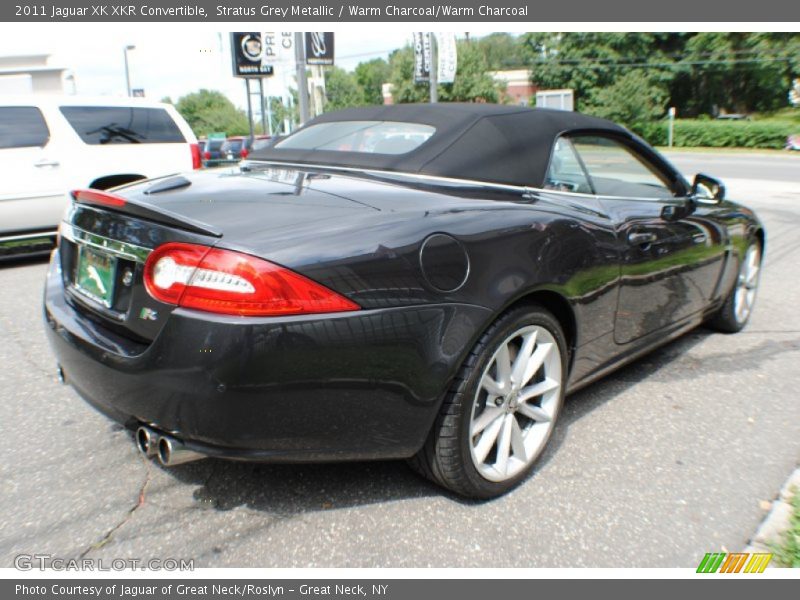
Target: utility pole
(264, 127)
(434, 77)
(127, 70)
(671, 130)
(302, 81)
(249, 107)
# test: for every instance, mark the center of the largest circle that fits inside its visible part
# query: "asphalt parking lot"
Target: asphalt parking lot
(653, 466)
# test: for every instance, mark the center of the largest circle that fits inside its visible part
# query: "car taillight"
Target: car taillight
(97, 197)
(207, 155)
(196, 160)
(244, 153)
(232, 283)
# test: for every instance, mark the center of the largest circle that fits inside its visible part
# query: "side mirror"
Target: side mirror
(705, 186)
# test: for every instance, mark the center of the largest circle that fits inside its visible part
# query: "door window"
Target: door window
(22, 127)
(565, 172)
(616, 170)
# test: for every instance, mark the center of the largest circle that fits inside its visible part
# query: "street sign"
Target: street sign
(249, 58)
(319, 47)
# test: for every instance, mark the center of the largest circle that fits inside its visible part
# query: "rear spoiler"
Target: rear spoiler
(143, 210)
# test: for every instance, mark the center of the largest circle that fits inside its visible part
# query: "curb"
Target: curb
(777, 520)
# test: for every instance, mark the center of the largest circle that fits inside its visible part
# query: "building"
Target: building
(519, 89)
(33, 74)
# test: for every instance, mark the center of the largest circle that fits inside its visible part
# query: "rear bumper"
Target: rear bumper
(351, 386)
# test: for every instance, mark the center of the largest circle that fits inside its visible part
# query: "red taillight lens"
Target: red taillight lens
(97, 197)
(207, 155)
(232, 283)
(244, 153)
(196, 160)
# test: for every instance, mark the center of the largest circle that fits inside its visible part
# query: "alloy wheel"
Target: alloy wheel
(516, 403)
(747, 284)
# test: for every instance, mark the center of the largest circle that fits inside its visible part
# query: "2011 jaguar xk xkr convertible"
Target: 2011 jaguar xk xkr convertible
(418, 281)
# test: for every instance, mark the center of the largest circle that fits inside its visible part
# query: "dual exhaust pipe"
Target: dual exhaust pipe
(168, 450)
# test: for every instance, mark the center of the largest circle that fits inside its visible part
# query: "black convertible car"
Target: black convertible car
(418, 281)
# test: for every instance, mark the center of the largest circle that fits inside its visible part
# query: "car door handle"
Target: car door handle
(641, 238)
(46, 163)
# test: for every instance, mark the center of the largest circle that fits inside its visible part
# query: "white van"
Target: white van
(50, 145)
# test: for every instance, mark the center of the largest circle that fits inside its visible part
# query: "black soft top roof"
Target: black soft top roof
(484, 142)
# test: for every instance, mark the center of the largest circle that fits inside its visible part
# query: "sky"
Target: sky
(167, 62)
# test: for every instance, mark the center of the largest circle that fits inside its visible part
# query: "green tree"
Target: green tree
(404, 89)
(502, 51)
(735, 72)
(702, 73)
(341, 90)
(371, 76)
(588, 62)
(209, 111)
(472, 83)
(633, 100)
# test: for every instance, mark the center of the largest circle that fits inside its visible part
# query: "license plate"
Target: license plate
(95, 275)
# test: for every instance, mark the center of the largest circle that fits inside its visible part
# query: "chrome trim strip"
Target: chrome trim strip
(399, 174)
(27, 236)
(117, 248)
(525, 189)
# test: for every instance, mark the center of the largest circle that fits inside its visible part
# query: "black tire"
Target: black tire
(726, 319)
(446, 457)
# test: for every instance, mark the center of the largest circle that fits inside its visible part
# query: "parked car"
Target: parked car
(238, 148)
(212, 154)
(50, 145)
(433, 302)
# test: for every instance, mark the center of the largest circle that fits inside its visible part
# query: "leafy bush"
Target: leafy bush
(690, 133)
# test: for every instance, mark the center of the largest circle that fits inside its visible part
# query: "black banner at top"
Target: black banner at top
(278, 11)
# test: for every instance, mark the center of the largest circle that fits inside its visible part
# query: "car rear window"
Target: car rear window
(22, 127)
(122, 125)
(232, 146)
(374, 137)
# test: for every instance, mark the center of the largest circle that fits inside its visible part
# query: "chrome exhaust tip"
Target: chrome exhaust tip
(147, 441)
(172, 452)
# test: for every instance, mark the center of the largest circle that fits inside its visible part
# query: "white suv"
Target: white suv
(50, 145)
